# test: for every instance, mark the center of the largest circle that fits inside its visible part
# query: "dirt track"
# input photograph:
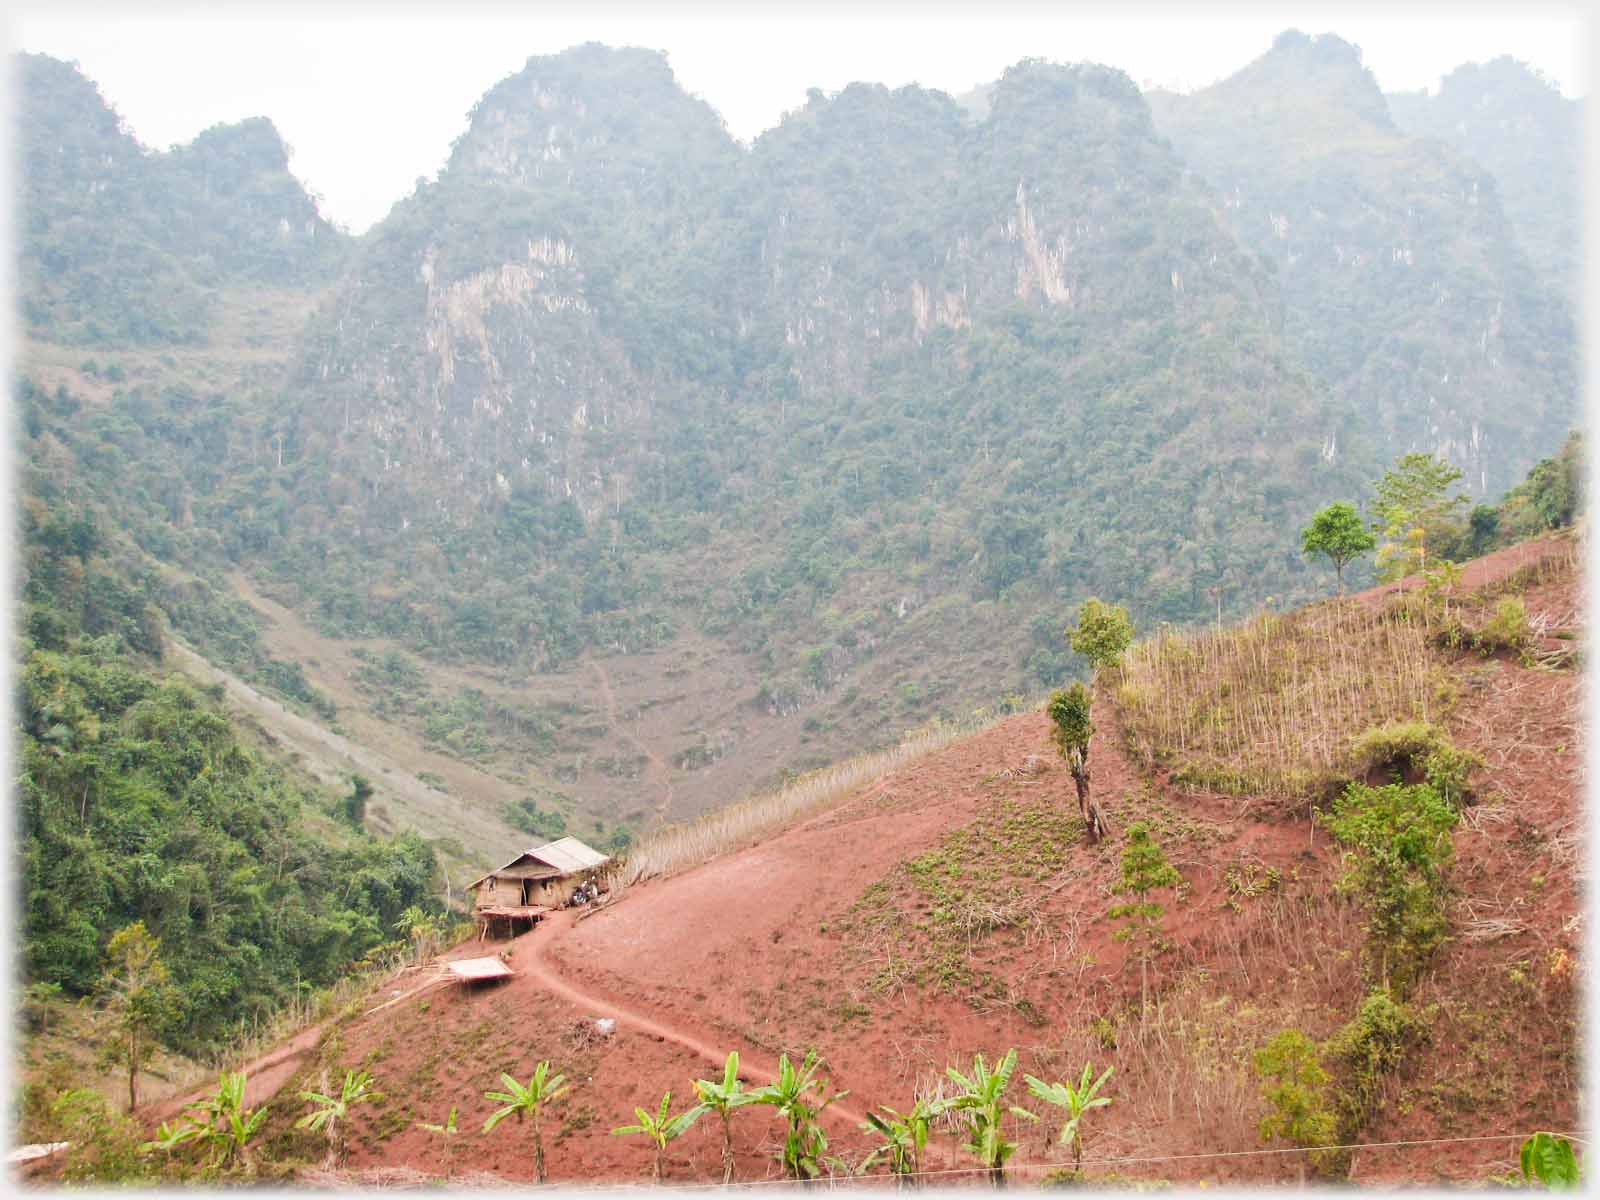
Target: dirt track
(531, 956)
(658, 765)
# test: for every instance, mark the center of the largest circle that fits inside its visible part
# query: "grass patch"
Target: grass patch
(919, 925)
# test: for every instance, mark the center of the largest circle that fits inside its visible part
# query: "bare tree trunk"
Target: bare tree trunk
(133, 1069)
(727, 1150)
(1094, 823)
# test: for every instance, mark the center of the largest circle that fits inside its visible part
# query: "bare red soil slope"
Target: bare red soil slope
(952, 908)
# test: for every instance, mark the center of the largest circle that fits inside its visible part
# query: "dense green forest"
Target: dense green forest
(139, 800)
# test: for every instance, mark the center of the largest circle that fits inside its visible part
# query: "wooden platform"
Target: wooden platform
(529, 912)
(474, 970)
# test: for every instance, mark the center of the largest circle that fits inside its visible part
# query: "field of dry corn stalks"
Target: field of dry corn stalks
(679, 847)
(1268, 705)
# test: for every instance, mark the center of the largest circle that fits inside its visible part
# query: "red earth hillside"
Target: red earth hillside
(952, 908)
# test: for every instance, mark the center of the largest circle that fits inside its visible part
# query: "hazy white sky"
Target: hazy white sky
(370, 97)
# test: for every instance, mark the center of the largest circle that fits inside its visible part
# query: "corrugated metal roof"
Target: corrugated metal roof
(569, 854)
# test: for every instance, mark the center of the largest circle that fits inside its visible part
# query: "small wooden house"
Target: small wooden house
(536, 881)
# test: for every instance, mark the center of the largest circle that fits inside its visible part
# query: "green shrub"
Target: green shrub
(1371, 1046)
(1399, 838)
(1420, 744)
(1392, 744)
(105, 1144)
(1448, 769)
(1509, 629)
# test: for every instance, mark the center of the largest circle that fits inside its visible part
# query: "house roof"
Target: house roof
(564, 856)
(569, 854)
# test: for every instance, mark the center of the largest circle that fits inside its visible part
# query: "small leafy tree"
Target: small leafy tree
(722, 1098)
(1550, 1159)
(1102, 633)
(139, 998)
(1415, 512)
(661, 1128)
(905, 1136)
(1144, 869)
(332, 1111)
(1337, 532)
(1069, 710)
(451, 1133)
(1293, 1083)
(805, 1143)
(982, 1100)
(528, 1102)
(355, 804)
(1076, 1101)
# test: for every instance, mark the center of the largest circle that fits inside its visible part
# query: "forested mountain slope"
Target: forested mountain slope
(140, 801)
(122, 245)
(1403, 287)
(610, 380)
(639, 467)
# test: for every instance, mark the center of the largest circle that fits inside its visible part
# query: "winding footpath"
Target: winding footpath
(530, 958)
(658, 765)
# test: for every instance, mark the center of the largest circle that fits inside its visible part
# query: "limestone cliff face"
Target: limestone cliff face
(482, 343)
(892, 215)
(605, 303)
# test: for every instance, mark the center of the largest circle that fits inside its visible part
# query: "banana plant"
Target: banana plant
(528, 1102)
(449, 1132)
(722, 1098)
(661, 1128)
(1076, 1101)
(220, 1122)
(422, 929)
(232, 1125)
(982, 1100)
(172, 1134)
(905, 1136)
(806, 1143)
(332, 1111)
(1548, 1158)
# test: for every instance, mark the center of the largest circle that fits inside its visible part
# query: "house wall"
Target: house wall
(504, 891)
(553, 893)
